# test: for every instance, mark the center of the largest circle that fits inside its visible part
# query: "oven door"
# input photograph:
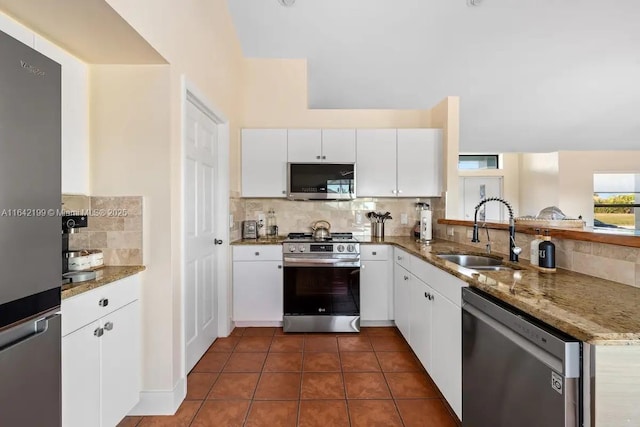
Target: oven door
(321, 299)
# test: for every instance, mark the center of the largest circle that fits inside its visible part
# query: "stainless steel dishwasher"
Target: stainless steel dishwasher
(516, 371)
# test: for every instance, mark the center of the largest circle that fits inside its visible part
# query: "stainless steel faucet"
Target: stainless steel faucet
(488, 245)
(514, 250)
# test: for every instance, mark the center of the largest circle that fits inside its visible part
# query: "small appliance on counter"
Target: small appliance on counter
(75, 262)
(85, 259)
(250, 229)
(425, 227)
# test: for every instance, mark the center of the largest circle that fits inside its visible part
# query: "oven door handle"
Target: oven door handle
(306, 262)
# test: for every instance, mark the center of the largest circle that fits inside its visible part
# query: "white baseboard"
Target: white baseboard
(250, 323)
(161, 402)
(371, 323)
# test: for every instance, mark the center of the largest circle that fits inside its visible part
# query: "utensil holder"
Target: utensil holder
(377, 229)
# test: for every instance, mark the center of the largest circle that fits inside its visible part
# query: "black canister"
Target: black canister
(547, 252)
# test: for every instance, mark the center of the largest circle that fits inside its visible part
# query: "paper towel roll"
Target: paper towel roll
(426, 228)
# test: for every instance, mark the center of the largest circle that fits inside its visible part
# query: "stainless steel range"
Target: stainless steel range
(321, 283)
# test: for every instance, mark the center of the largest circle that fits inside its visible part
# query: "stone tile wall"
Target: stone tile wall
(296, 216)
(115, 227)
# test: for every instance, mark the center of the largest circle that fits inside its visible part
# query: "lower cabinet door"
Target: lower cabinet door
(375, 282)
(120, 370)
(81, 377)
(421, 323)
(401, 300)
(446, 359)
(257, 291)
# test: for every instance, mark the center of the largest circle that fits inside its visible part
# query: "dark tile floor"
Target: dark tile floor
(262, 377)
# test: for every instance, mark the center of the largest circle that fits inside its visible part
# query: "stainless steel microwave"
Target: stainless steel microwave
(321, 181)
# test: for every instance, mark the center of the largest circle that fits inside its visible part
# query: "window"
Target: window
(478, 161)
(616, 200)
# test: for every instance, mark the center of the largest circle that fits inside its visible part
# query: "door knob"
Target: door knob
(108, 326)
(217, 241)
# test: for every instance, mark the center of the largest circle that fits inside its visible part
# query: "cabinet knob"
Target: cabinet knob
(324, 157)
(217, 241)
(399, 258)
(108, 326)
(374, 253)
(257, 253)
(318, 157)
(98, 332)
(393, 192)
(280, 267)
(406, 277)
(284, 192)
(399, 191)
(103, 302)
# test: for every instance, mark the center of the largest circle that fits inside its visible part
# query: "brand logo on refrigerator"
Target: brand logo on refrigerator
(32, 69)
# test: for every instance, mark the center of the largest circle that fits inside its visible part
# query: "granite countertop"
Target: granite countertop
(104, 276)
(591, 309)
(276, 240)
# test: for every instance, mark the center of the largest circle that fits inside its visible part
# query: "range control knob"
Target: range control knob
(292, 248)
(301, 248)
(340, 248)
(351, 248)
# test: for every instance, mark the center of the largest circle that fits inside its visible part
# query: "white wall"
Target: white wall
(539, 180)
(576, 177)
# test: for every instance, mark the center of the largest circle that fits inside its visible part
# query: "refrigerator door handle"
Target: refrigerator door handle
(26, 331)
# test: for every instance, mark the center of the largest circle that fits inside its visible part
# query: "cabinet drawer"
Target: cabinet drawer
(87, 307)
(446, 284)
(374, 252)
(257, 253)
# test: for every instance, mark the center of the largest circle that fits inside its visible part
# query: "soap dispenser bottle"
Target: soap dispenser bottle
(535, 243)
(547, 253)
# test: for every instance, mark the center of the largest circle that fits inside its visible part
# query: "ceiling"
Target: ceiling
(532, 75)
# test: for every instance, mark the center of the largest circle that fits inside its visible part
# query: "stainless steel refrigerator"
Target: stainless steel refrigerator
(30, 267)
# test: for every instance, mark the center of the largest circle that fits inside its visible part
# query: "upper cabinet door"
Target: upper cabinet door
(376, 162)
(75, 117)
(305, 145)
(339, 145)
(264, 162)
(419, 162)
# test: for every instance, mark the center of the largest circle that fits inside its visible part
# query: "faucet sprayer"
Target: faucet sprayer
(513, 249)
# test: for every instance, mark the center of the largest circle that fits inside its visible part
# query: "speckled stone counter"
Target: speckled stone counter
(104, 276)
(591, 309)
(277, 240)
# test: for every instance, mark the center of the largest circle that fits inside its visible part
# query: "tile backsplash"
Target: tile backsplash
(350, 215)
(114, 226)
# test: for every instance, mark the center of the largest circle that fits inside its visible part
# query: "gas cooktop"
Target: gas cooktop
(308, 237)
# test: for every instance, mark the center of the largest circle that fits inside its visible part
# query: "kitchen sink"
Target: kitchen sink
(477, 262)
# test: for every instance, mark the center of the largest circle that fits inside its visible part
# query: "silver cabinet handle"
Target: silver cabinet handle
(399, 191)
(318, 157)
(217, 241)
(399, 258)
(279, 266)
(426, 295)
(103, 302)
(98, 332)
(108, 326)
(257, 253)
(406, 277)
(284, 192)
(374, 253)
(324, 157)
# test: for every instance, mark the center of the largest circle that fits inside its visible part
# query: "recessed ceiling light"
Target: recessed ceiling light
(287, 3)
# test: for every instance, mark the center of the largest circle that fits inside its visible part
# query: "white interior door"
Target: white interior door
(476, 188)
(200, 186)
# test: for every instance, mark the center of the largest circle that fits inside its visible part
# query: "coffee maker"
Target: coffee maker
(424, 225)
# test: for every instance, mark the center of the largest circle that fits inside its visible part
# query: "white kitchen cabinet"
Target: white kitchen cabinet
(401, 292)
(101, 354)
(339, 145)
(75, 117)
(257, 285)
(321, 145)
(420, 163)
(421, 320)
(264, 163)
(376, 163)
(304, 145)
(376, 283)
(399, 163)
(428, 313)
